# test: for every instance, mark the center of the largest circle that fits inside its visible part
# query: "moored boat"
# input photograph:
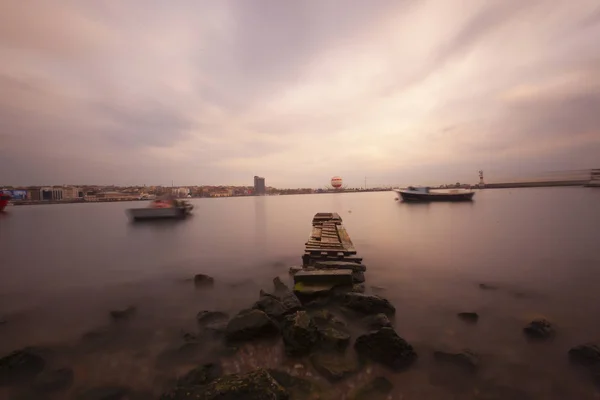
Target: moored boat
(163, 208)
(4, 199)
(412, 193)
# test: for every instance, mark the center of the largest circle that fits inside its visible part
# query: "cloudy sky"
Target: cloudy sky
(214, 92)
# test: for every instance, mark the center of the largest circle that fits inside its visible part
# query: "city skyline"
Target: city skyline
(401, 92)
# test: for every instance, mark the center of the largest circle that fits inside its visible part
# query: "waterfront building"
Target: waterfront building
(259, 186)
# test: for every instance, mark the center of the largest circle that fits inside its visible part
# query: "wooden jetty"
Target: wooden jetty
(329, 259)
(328, 241)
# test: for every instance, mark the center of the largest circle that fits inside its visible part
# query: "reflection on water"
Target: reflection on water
(64, 267)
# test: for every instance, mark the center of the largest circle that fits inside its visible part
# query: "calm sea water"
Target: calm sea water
(63, 267)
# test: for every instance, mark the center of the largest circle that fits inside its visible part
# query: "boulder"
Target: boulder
(299, 333)
(334, 366)
(201, 375)
(124, 313)
(358, 288)
(208, 318)
(21, 365)
(202, 280)
(274, 307)
(368, 304)
(468, 316)
(587, 354)
(326, 318)
(330, 337)
(377, 389)
(465, 359)
(298, 388)
(105, 393)
(255, 385)
(386, 347)
(376, 322)
(279, 285)
(54, 380)
(539, 329)
(250, 325)
(358, 277)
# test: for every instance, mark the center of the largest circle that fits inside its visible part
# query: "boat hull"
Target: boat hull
(158, 213)
(411, 196)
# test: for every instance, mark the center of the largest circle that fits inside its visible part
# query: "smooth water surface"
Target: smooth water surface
(63, 267)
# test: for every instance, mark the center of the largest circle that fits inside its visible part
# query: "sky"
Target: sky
(215, 92)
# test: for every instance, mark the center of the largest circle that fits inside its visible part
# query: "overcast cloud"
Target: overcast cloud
(199, 92)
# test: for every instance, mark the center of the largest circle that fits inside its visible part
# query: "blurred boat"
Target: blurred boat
(421, 194)
(4, 199)
(163, 208)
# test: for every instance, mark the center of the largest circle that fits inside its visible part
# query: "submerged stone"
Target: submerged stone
(587, 354)
(124, 313)
(202, 280)
(20, 365)
(386, 347)
(368, 304)
(298, 388)
(539, 329)
(465, 359)
(330, 337)
(468, 316)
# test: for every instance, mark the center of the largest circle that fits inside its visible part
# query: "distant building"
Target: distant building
(259, 186)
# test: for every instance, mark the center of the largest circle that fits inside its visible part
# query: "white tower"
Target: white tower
(481, 183)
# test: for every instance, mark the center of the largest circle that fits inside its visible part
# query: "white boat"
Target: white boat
(163, 208)
(412, 193)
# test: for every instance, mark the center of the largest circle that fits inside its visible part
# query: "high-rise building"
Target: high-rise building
(259, 186)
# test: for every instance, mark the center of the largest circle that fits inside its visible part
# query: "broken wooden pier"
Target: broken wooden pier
(329, 259)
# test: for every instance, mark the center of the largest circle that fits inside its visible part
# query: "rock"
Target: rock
(298, 388)
(358, 288)
(215, 320)
(105, 393)
(271, 306)
(386, 347)
(279, 285)
(191, 337)
(485, 286)
(377, 321)
(358, 277)
(326, 318)
(319, 302)
(330, 337)
(58, 379)
(201, 280)
(468, 316)
(255, 385)
(299, 333)
(21, 365)
(587, 354)
(340, 265)
(377, 389)
(465, 359)
(334, 366)
(124, 313)
(539, 329)
(294, 270)
(368, 304)
(250, 325)
(201, 375)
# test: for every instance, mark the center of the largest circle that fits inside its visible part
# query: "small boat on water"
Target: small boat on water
(162, 208)
(423, 194)
(4, 199)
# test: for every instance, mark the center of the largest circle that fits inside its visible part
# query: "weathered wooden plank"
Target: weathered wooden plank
(345, 238)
